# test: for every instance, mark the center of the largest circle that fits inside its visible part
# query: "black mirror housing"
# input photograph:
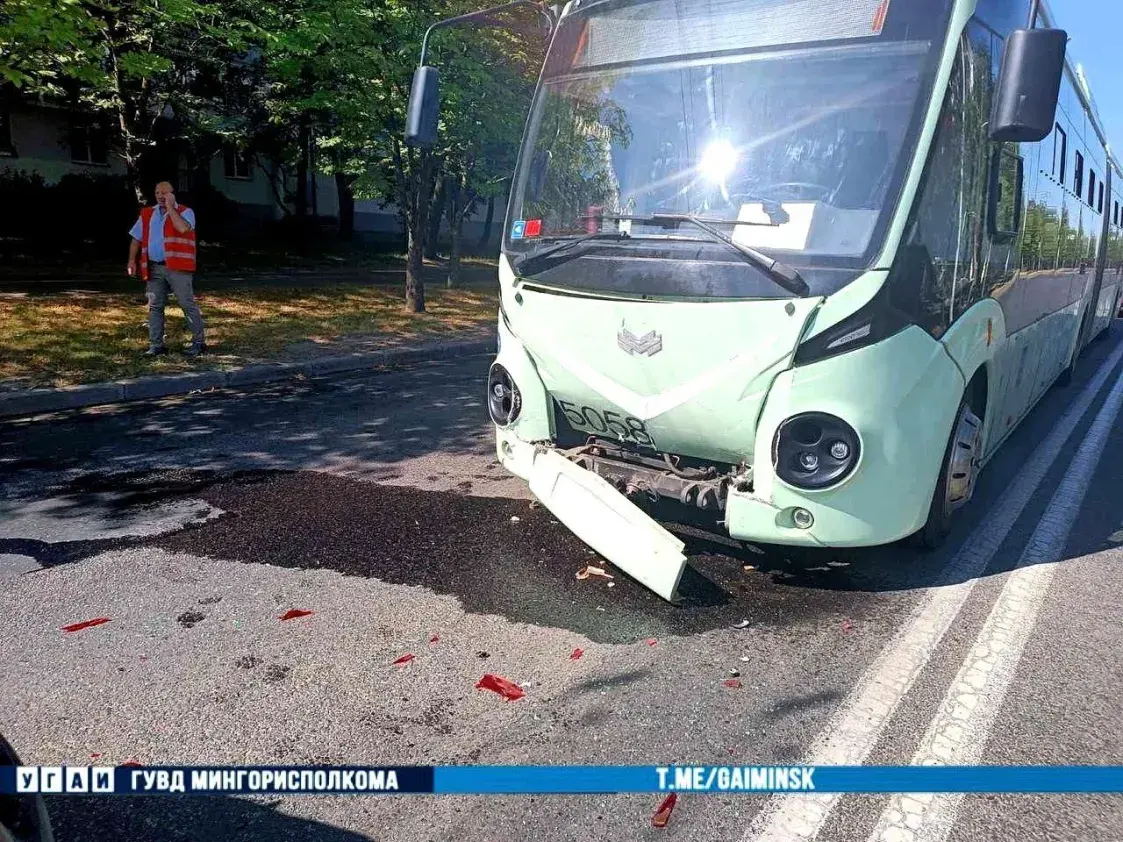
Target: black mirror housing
(1029, 85)
(424, 108)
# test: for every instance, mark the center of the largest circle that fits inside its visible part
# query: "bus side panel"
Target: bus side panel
(900, 396)
(973, 340)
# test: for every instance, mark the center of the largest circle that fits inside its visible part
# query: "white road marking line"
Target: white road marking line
(958, 733)
(854, 729)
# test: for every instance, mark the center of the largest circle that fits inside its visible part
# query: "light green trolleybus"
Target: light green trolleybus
(800, 264)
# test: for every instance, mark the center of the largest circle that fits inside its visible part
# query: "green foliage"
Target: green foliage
(292, 82)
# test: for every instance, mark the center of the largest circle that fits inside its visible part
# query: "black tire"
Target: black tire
(935, 531)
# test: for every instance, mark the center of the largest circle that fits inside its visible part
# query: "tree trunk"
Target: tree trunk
(343, 183)
(301, 198)
(485, 237)
(454, 253)
(415, 283)
(413, 172)
(456, 226)
(436, 214)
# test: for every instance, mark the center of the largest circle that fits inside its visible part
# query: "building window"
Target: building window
(88, 142)
(1091, 188)
(1100, 203)
(7, 148)
(1078, 184)
(1115, 214)
(237, 164)
(1060, 154)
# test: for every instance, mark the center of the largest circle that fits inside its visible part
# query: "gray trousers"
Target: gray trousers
(160, 280)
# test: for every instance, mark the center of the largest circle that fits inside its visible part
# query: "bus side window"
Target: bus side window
(949, 217)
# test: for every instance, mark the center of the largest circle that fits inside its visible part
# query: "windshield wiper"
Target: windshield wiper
(784, 275)
(533, 261)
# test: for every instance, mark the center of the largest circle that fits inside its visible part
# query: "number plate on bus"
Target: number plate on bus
(606, 422)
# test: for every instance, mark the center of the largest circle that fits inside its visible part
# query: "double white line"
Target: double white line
(957, 734)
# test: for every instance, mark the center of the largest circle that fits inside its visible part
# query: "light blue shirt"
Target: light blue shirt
(156, 232)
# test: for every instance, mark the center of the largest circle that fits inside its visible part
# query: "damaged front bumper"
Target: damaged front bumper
(598, 514)
(588, 500)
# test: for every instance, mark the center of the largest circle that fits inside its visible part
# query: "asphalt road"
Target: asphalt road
(374, 502)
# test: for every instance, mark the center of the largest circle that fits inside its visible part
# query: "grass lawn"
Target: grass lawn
(87, 337)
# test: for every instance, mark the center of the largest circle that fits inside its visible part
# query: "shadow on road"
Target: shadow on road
(336, 423)
(185, 819)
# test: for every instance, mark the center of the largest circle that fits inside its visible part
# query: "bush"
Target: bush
(91, 213)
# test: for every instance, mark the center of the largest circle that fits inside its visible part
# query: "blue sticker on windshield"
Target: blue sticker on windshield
(518, 230)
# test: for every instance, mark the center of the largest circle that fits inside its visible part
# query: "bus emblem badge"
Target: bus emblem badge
(650, 344)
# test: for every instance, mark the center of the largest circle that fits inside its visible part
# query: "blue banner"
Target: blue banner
(544, 780)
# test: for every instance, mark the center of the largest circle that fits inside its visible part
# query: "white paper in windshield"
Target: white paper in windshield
(667, 28)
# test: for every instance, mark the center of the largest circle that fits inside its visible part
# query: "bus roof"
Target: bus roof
(1080, 81)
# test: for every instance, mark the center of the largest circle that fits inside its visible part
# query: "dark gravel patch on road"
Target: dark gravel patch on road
(496, 556)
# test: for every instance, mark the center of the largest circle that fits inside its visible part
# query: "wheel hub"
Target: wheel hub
(963, 467)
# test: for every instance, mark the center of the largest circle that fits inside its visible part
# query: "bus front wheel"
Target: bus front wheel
(958, 473)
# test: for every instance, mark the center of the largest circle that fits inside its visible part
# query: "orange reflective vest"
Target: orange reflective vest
(179, 246)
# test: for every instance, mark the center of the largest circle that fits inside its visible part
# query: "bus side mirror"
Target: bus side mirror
(424, 108)
(1029, 85)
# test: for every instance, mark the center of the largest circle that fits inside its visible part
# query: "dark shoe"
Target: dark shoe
(155, 352)
(195, 350)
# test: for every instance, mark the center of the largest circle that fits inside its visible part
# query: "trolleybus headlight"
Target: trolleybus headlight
(814, 450)
(504, 401)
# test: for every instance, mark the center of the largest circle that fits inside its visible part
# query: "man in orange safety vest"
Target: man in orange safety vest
(164, 239)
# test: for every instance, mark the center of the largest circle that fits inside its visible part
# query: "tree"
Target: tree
(130, 61)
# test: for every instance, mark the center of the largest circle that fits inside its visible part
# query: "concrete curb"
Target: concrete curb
(39, 401)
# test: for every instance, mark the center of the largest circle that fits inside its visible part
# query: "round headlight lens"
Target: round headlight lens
(504, 401)
(814, 450)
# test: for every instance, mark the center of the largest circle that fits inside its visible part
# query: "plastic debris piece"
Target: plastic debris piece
(482, 654)
(434, 639)
(591, 570)
(663, 814)
(847, 626)
(748, 568)
(95, 755)
(498, 684)
(735, 683)
(744, 624)
(735, 673)
(402, 661)
(599, 608)
(651, 641)
(293, 613)
(612, 584)
(730, 752)
(534, 504)
(85, 624)
(744, 657)
(132, 761)
(575, 654)
(515, 518)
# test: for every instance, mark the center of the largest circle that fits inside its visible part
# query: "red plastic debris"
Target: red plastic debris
(293, 613)
(663, 814)
(847, 626)
(434, 639)
(85, 624)
(405, 659)
(132, 761)
(95, 755)
(575, 654)
(651, 641)
(498, 684)
(735, 683)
